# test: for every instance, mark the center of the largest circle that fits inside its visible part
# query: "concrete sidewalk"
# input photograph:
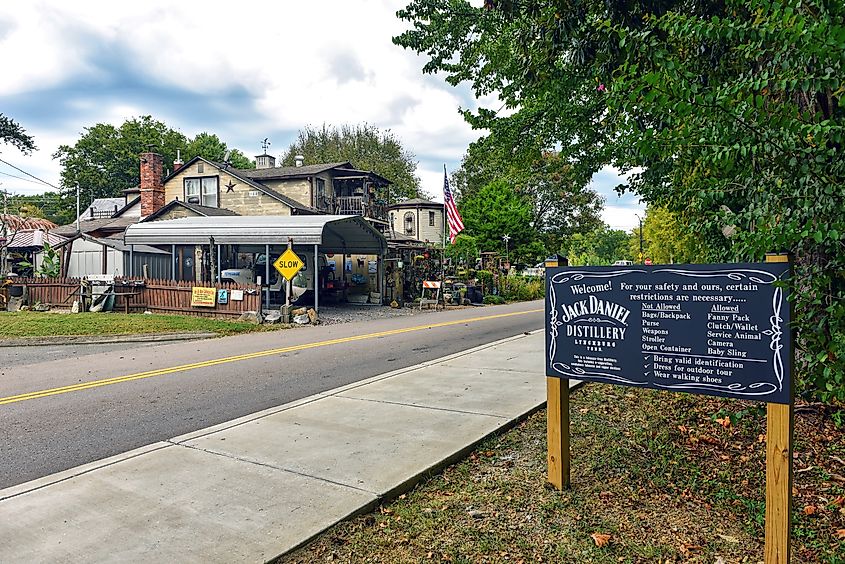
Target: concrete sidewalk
(254, 488)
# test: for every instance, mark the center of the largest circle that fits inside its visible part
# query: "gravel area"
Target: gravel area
(333, 315)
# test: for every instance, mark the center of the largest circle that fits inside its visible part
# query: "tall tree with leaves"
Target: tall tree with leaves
(211, 147)
(104, 161)
(600, 246)
(367, 148)
(731, 110)
(497, 209)
(667, 238)
(562, 203)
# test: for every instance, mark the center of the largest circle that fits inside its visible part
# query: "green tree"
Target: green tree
(13, 134)
(497, 210)
(562, 203)
(209, 146)
(598, 247)
(667, 239)
(730, 110)
(367, 148)
(464, 250)
(104, 161)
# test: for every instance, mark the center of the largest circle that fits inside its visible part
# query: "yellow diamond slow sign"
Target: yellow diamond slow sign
(288, 264)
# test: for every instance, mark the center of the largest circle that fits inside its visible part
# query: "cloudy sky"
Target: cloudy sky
(243, 70)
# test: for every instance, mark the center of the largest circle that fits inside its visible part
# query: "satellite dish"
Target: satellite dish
(226, 157)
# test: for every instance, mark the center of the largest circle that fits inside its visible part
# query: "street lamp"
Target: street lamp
(641, 237)
(507, 238)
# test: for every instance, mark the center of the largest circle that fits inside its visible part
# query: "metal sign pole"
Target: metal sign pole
(288, 283)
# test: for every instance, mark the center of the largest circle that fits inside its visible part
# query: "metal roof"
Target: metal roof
(102, 206)
(415, 203)
(292, 171)
(33, 238)
(334, 233)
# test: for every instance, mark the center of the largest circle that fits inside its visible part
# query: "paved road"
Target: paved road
(59, 414)
(18, 356)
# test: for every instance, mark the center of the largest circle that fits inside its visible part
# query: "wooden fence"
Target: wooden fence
(169, 296)
(54, 292)
(138, 295)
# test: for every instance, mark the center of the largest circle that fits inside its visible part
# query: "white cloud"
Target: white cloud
(289, 65)
(622, 217)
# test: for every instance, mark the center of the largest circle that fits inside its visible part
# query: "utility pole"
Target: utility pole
(3, 231)
(641, 238)
(77, 209)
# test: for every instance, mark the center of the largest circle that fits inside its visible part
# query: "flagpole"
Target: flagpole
(443, 256)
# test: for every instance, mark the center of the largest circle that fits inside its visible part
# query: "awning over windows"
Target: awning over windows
(334, 233)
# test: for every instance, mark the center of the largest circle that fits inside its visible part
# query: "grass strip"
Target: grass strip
(49, 324)
(657, 477)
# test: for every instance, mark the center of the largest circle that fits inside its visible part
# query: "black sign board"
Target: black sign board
(717, 329)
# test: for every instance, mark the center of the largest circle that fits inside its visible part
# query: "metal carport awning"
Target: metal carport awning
(333, 233)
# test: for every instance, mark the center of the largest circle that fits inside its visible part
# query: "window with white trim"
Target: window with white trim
(202, 191)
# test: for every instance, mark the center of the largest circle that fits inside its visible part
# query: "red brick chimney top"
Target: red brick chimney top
(152, 189)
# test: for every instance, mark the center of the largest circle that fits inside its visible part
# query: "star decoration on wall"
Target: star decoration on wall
(230, 187)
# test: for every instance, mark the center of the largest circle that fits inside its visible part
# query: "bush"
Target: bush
(495, 300)
(523, 288)
(485, 278)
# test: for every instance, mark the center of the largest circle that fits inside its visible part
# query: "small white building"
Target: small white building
(418, 219)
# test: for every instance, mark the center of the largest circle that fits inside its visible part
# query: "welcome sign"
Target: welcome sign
(717, 329)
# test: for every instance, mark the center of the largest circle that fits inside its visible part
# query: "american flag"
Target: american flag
(456, 224)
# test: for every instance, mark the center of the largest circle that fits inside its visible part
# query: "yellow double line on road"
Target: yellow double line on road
(248, 356)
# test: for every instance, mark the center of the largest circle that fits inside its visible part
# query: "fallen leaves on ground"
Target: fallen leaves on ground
(601, 539)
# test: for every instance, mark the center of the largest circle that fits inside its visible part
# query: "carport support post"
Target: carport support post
(131, 260)
(219, 269)
(316, 280)
(557, 419)
(173, 262)
(267, 274)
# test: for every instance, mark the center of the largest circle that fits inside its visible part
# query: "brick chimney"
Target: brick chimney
(152, 189)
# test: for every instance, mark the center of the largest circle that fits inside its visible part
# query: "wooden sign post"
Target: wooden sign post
(779, 431)
(715, 329)
(557, 416)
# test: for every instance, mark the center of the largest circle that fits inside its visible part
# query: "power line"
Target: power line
(30, 175)
(19, 177)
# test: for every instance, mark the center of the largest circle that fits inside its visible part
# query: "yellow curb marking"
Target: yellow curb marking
(248, 356)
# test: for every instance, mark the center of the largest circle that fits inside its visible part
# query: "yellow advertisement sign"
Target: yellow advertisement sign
(203, 297)
(288, 264)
